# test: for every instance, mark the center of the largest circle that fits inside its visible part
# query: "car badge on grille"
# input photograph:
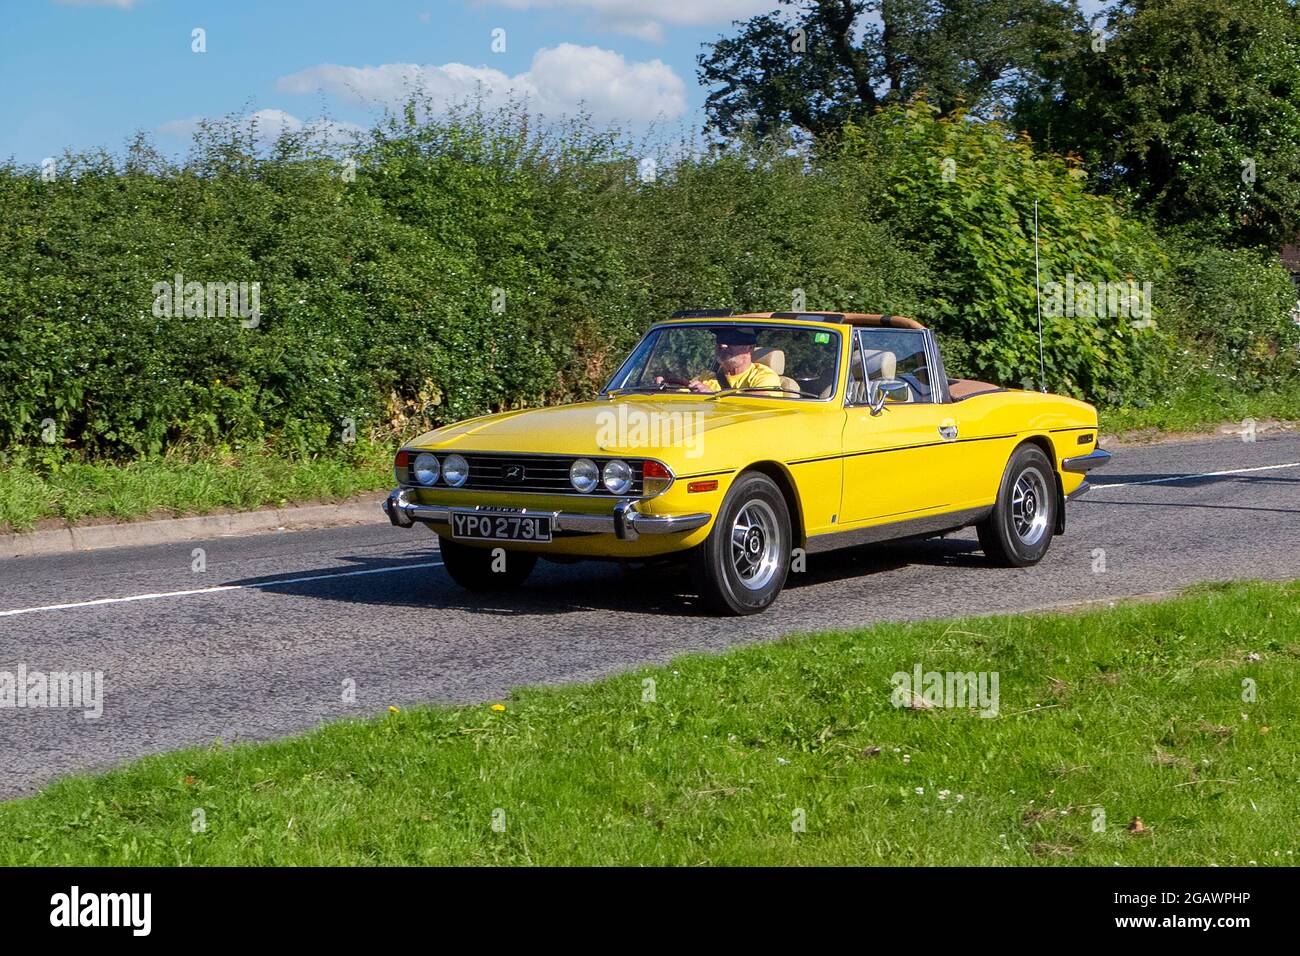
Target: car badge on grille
(513, 474)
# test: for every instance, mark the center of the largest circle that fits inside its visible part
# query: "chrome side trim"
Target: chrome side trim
(933, 524)
(624, 521)
(1083, 464)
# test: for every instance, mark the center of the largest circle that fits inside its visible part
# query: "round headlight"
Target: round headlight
(425, 469)
(584, 475)
(455, 470)
(618, 476)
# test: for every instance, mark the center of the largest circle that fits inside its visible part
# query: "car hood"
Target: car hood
(633, 425)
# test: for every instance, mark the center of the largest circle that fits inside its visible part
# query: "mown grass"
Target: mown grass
(1136, 711)
(182, 485)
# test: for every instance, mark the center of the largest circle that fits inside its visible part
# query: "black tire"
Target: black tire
(744, 575)
(471, 567)
(1019, 531)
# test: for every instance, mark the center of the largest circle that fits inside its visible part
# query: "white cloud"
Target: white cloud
(562, 79)
(269, 124)
(645, 18)
(181, 127)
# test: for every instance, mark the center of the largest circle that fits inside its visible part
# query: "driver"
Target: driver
(734, 352)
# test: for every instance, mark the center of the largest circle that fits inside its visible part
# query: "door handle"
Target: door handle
(948, 431)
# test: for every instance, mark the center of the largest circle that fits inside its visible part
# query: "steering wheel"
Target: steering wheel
(922, 390)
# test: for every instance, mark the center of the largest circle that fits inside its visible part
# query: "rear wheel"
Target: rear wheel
(742, 565)
(485, 569)
(1019, 531)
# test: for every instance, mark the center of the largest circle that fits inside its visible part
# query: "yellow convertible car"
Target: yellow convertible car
(742, 442)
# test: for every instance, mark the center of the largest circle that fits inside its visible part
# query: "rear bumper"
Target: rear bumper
(1086, 463)
(623, 521)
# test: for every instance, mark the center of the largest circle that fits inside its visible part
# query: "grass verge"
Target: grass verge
(1205, 401)
(1106, 716)
(177, 485)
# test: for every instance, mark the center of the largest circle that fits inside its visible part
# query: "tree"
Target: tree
(966, 190)
(821, 63)
(1189, 109)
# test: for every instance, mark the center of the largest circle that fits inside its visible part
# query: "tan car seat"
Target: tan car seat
(883, 364)
(880, 364)
(775, 360)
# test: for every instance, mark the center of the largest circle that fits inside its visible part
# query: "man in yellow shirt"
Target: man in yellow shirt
(735, 355)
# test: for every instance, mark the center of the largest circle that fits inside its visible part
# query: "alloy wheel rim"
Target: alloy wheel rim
(1030, 506)
(755, 545)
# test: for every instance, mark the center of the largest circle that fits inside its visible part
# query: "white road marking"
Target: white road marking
(214, 590)
(1206, 474)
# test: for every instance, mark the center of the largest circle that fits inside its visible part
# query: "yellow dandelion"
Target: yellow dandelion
(393, 710)
(498, 707)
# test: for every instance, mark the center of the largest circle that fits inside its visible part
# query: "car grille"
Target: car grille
(539, 473)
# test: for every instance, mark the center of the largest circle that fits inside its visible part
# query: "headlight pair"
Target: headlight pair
(616, 476)
(426, 468)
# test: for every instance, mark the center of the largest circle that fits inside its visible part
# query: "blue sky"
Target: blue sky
(89, 73)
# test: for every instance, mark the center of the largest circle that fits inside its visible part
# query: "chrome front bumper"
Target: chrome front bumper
(624, 521)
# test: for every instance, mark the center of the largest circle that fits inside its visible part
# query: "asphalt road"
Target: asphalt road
(295, 615)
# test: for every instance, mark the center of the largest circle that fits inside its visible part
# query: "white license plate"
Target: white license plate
(498, 526)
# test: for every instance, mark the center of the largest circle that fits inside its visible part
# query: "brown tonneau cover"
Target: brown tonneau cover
(959, 388)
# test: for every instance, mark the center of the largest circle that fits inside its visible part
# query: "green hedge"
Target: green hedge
(378, 264)
(968, 190)
(1234, 312)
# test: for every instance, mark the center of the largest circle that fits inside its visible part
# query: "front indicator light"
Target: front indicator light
(584, 475)
(617, 476)
(425, 469)
(697, 486)
(656, 478)
(455, 470)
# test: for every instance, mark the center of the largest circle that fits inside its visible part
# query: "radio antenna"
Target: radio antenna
(1038, 297)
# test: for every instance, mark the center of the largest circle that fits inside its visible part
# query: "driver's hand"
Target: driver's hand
(659, 379)
(697, 386)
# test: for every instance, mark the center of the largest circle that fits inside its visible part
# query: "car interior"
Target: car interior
(806, 366)
(893, 356)
(774, 359)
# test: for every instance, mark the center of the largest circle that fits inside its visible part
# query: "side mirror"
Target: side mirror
(884, 389)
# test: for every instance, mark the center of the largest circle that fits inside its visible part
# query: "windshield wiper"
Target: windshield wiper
(663, 387)
(765, 388)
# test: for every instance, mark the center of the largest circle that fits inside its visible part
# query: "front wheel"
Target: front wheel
(742, 565)
(1019, 531)
(485, 569)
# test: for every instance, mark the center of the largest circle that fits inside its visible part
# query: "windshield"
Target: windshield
(769, 361)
